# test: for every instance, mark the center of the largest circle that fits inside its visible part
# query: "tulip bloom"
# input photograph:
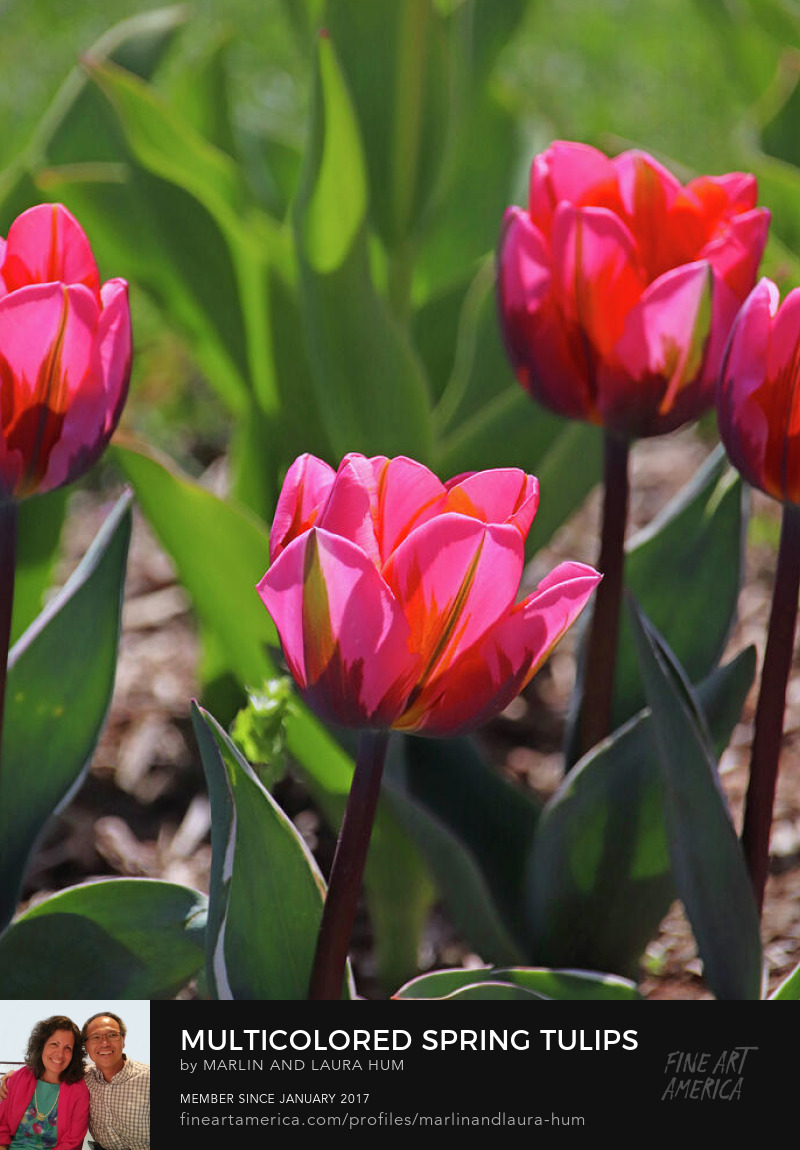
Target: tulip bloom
(394, 594)
(759, 421)
(65, 353)
(757, 402)
(618, 285)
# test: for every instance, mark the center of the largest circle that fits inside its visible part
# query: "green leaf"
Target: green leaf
(686, 570)
(220, 550)
(599, 875)
(124, 938)
(707, 861)
(167, 148)
(789, 989)
(39, 523)
(265, 903)
(78, 126)
(572, 985)
(494, 992)
(60, 680)
(396, 61)
(369, 384)
(474, 830)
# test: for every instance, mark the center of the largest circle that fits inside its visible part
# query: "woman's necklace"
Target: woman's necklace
(39, 1116)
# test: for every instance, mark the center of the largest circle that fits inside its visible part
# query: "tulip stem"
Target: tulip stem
(339, 911)
(601, 649)
(8, 562)
(771, 704)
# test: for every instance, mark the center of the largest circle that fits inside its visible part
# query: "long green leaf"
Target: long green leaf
(220, 550)
(266, 891)
(473, 829)
(39, 523)
(60, 680)
(124, 938)
(368, 382)
(686, 570)
(707, 861)
(572, 985)
(599, 875)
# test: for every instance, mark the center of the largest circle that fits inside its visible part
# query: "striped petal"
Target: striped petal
(344, 636)
(486, 678)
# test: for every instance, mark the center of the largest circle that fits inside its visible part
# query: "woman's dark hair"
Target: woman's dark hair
(45, 1030)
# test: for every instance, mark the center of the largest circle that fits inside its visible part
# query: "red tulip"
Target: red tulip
(394, 594)
(65, 353)
(618, 285)
(757, 402)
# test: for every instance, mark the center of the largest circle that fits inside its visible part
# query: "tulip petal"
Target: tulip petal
(649, 193)
(661, 354)
(736, 251)
(454, 577)
(744, 420)
(596, 274)
(733, 192)
(578, 173)
(343, 634)
(505, 495)
(46, 244)
(303, 495)
(486, 678)
(377, 502)
(41, 377)
(94, 411)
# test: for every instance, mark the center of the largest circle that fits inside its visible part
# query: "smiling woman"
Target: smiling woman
(47, 1105)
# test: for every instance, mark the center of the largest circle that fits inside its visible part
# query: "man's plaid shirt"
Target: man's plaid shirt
(119, 1117)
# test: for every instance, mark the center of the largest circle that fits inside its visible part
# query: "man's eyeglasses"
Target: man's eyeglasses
(111, 1035)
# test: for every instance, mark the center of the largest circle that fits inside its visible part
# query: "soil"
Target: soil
(143, 809)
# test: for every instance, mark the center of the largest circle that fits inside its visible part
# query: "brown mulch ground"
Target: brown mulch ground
(143, 809)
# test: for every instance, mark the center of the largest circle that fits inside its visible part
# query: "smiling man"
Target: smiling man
(119, 1117)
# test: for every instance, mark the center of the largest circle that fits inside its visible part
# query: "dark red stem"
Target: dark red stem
(601, 649)
(8, 561)
(771, 703)
(339, 912)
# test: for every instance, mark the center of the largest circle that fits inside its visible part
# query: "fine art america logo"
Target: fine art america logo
(703, 1076)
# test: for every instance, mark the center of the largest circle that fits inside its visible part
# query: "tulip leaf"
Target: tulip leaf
(369, 383)
(789, 989)
(39, 523)
(599, 874)
(707, 862)
(686, 569)
(266, 896)
(60, 680)
(220, 550)
(495, 992)
(124, 938)
(474, 830)
(184, 169)
(572, 985)
(398, 69)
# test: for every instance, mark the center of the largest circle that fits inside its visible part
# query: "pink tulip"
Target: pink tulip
(757, 402)
(65, 353)
(618, 285)
(394, 594)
